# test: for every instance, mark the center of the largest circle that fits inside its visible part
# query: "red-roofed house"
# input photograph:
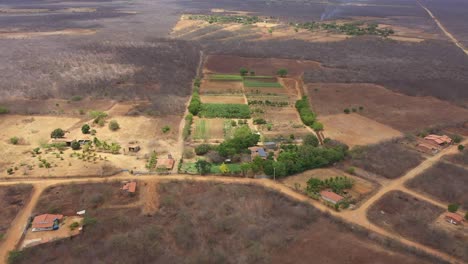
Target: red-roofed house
(130, 187)
(46, 222)
(453, 218)
(439, 140)
(331, 197)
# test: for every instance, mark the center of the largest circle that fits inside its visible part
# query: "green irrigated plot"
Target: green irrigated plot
(201, 131)
(225, 111)
(249, 83)
(225, 77)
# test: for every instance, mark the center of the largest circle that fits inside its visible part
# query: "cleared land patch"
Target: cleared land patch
(222, 99)
(413, 218)
(220, 87)
(446, 182)
(402, 112)
(262, 66)
(389, 159)
(354, 129)
(191, 217)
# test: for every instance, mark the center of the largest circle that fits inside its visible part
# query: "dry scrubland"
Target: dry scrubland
(445, 182)
(12, 200)
(414, 219)
(459, 158)
(193, 225)
(402, 112)
(389, 159)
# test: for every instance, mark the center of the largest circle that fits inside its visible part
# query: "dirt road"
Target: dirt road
(446, 32)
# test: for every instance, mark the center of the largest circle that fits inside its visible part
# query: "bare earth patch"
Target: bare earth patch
(223, 99)
(354, 129)
(402, 112)
(65, 32)
(220, 87)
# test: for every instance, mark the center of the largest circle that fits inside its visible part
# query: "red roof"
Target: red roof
(45, 220)
(439, 139)
(130, 187)
(332, 196)
(165, 164)
(454, 216)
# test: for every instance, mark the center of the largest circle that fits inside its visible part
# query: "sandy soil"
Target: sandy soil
(402, 112)
(223, 99)
(65, 32)
(220, 87)
(354, 129)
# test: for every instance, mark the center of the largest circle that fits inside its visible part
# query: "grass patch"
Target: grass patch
(189, 168)
(201, 131)
(225, 111)
(248, 83)
(233, 168)
(225, 77)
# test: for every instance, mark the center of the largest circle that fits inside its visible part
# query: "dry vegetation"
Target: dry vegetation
(413, 218)
(444, 181)
(12, 200)
(389, 159)
(402, 112)
(459, 158)
(249, 225)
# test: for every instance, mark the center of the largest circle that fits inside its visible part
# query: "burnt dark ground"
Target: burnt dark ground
(150, 67)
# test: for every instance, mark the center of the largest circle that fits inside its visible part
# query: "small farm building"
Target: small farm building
(46, 222)
(439, 140)
(130, 187)
(331, 197)
(453, 218)
(258, 152)
(166, 164)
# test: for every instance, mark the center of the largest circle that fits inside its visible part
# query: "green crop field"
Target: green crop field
(233, 168)
(225, 77)
(248, 83)
(201, 129)
(225, 111)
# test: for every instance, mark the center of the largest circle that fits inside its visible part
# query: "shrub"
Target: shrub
(202, 149)
(188, 125)
(453, 208)
(75, 145)
(14, 140)
(461, 147)
(310, 140)
(76, 98)
(346, 111)
(243, 71)
(457, 138)
(113, 125)
(98, 117)
(57, 133)
(351, 170)
(10, 171)
(282, 72)
(89, 221)
(259, 121)
(165, 129)
(317, 126)
(74, 225)
(3, 110)
(466, 216)
(195, 103)
(85, 129)
(303, 107)
(15, 256)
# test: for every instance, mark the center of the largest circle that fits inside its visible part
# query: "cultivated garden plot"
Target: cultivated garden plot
(223, 99)
(221, 87)
(414, 219)
(207, 129)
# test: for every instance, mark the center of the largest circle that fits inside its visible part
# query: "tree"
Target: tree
(282, 72)
(453, 208)
(461, 147)
(115, 148)
(85, 129)
(57, 133)
(457, 138)
(346, 111)
(166, 129)
(310, 140)
(203, 166)
(224, 168)
(314, 185)
(113, 125)
(317, 126)
(202, 149)
(245, 167)
(75, 145)
(243, 71)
